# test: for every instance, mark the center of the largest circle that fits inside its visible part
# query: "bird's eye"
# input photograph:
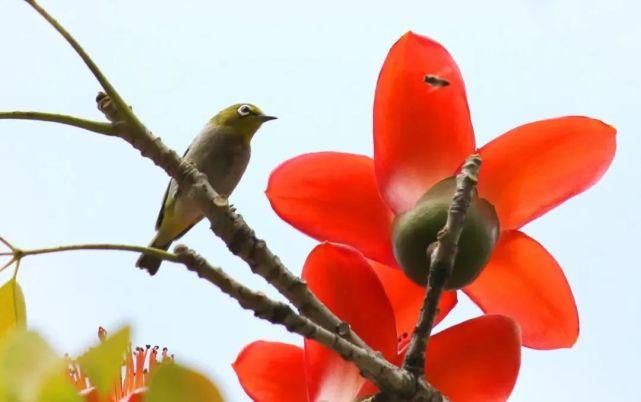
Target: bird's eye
(244, 110)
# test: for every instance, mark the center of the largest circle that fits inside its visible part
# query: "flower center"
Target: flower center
(137, 363)
(414, 230)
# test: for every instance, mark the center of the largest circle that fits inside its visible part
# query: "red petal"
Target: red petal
(272, 372)
(422, 132)
(407, 299)
(332, 196)
(523, 281)
(533, 168)
(341, 278)
(477, 360)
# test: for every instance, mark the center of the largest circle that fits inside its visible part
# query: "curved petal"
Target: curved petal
(523, 281)
(422, 131)
(342, 279)
(477, 360)
(332, 196)
(407, 298)
(535, 167)
(272, 372)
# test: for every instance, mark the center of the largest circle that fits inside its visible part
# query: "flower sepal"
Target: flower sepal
(414, 230)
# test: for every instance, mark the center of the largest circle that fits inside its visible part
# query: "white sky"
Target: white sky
(314, 65)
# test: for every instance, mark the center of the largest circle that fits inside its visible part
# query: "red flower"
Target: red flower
(132, 384)
(477, 360)
(422, 133)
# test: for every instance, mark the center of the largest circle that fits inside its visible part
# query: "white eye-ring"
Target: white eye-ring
(244, 110)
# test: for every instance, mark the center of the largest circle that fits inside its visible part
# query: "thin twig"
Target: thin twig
(6, 243)
(93, 67)
(442, 256)
(15, 271)
(103, 246)
(8, 264)
(95, 126)
(225, 223)
(18, 254)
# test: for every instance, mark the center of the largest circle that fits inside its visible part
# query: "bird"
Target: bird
(221, 151)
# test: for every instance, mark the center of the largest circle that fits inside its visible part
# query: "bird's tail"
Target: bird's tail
(149, 262)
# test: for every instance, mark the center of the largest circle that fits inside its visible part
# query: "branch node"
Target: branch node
(343, 329)
(106, 106)
(221, 201)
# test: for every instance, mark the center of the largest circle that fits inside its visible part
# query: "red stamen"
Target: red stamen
(129, 375)
(153, 358)
(102, 334)
(136, 365)
(140, 366)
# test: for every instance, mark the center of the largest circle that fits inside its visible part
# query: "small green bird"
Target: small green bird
(221, 151)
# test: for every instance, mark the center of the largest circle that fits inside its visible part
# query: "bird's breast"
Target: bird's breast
(223, 158)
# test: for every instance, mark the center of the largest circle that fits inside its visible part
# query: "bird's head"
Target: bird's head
(242, 118)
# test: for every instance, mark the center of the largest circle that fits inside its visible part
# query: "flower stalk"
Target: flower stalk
(442, 256)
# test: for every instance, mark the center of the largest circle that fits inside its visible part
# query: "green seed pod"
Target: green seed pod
(414, 230)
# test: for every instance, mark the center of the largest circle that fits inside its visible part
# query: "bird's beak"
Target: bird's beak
(263, 118)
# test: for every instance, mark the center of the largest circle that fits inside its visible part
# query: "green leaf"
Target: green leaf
(173, 383)
(13, 312)
(58, 388)
(30, 371)
(102, 364)
(24, 359)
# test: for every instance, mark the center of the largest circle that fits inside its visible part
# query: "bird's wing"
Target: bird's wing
(161, 213)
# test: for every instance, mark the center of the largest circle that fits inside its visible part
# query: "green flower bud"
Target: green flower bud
(414, 230)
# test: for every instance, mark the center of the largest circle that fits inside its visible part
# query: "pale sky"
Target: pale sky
(315, 66)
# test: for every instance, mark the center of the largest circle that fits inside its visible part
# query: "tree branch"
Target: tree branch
(225, 223)
(95, 126)
(442, 256)
(384, 374)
